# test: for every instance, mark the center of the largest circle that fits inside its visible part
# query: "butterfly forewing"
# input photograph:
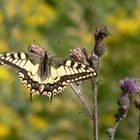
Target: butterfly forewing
(19, 61)
(73, 71)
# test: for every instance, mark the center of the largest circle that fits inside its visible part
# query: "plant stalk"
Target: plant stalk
(138, 138)
(94, 83)
(78, 93)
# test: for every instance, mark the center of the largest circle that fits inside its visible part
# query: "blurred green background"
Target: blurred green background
(58, 26)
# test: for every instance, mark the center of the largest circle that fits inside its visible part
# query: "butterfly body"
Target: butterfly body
(46, 74)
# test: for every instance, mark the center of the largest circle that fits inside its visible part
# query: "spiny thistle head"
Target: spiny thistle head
(99, 35)
(124, 101)
(36, 49)
(79, 54)
(127, 85)
(99, 49)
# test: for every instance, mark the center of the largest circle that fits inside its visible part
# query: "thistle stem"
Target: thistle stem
(114, 130)
(138, 138)
(78, 93)
(94, 83)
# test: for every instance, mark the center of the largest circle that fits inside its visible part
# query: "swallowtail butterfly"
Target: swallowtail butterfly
(44, 73)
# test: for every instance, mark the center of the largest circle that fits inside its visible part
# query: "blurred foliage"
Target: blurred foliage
(60, 26)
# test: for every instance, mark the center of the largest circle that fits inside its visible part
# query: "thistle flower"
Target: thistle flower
(33, 48)
(127, 86)
(99, 35)
(79, 54)
(99, 48)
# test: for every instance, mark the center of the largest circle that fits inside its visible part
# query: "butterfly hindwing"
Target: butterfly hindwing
(50, 86)
(73, 71)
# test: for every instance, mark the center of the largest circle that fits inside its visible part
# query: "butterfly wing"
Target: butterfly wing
(20, 61)
(73, 71)
(29, 70)
(27, 65)
(62, 72)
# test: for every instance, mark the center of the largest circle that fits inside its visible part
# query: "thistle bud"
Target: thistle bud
(33, 48)
(99, 35)
(123, 101)
(79, 54)
(99, 48)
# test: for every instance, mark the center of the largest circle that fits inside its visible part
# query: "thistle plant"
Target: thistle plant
(130, 87)
(94, 61)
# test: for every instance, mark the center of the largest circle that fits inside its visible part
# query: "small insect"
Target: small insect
(45, 74)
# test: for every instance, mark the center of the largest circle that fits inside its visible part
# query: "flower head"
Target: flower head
(127, 85)
(99, 48)
(79, 54)
(33, 48)
(99, 35)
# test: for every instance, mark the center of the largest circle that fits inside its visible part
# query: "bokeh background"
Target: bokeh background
(58, 26)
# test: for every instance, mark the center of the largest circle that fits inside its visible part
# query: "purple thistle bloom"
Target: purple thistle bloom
(33, 48)
(127, 85)
(101, 33)
(78, 54)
